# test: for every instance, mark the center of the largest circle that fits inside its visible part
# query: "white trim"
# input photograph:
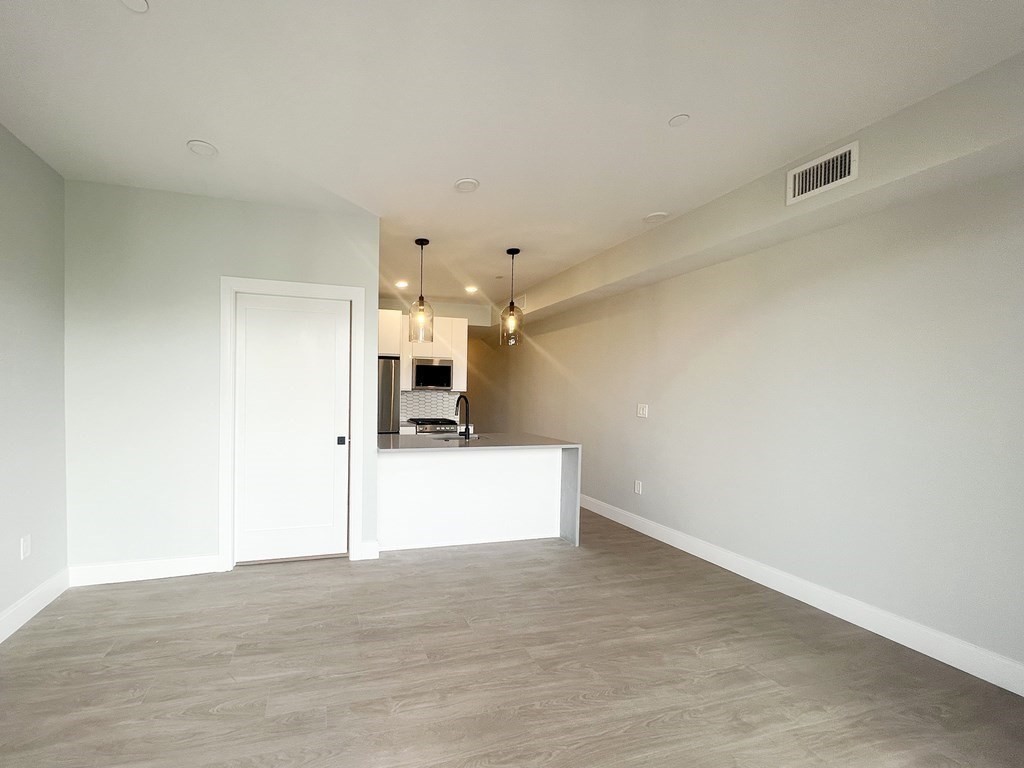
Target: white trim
(230, 287)
(975, 660)
(141, 570)
(364, 550)
(15, 617)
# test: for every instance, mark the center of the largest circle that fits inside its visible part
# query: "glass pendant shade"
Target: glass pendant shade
(511, 325)
(421, 321)
(421, 314)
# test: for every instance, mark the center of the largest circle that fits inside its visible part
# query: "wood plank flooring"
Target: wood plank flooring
(621, 653)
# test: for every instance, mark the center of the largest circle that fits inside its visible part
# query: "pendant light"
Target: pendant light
(421, 314)
(511, 332)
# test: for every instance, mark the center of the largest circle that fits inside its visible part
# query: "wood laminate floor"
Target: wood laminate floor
(622, 653)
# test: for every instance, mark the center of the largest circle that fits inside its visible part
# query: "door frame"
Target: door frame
(230, 287)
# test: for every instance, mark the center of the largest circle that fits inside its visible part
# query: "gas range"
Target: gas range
(434, 425)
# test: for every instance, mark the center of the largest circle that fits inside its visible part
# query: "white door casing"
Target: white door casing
(346, 462)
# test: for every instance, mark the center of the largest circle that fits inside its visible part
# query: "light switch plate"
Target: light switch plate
(641, 410)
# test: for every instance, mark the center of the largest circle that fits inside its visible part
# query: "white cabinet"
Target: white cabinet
(460, 350)
(451, 340)
(442, 338)
(419, 348)
(389, 332)
(406, 355)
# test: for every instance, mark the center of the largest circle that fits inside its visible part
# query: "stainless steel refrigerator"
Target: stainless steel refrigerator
(388, 395)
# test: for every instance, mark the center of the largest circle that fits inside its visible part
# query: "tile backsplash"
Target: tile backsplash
(426, 405)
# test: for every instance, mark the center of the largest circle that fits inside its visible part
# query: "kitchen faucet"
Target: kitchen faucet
(457, 402)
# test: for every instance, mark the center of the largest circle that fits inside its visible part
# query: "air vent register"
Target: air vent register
(823, 173)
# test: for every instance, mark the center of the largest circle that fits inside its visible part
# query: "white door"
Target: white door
(292, 411)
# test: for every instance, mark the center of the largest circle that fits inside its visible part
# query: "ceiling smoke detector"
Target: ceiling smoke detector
(466, 185)
(201, 148)
(655, 218)
(137, 6)
(677, 120)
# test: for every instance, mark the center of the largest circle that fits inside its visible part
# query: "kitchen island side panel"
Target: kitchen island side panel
(569, 521)
(448, 498)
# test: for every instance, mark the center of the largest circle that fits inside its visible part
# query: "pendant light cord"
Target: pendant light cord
(512, 283)
(421, 273)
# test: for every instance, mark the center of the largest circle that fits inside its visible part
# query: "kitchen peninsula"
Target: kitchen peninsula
(445, 491)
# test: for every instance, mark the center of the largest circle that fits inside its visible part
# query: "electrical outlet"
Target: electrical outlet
(638, 487)
(641, 410)
(26, 546)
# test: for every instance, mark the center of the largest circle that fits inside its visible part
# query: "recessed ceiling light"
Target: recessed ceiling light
(471, 289)
(678, 120)
(402, 284)
(467, 185)
(655, 218)
(139, 6)
(201, 148)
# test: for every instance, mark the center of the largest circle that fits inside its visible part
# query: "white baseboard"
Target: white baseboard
(975, 660)
(140, 570)
(14, 618)
(367, 550)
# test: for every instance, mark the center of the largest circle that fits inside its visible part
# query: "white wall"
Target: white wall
(143, 336)
(31, 381)
(845, 407)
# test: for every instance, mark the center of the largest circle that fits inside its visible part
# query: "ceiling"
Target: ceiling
(559, 108)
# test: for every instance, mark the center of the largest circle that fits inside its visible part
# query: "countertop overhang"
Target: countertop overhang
(450, 442)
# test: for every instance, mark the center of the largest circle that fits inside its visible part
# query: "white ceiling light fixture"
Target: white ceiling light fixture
(137, 6)
(471, 289)
(655, 218)
(402, 284)
(467, 185)
(677, 120)
(201, 148)
(421, 314)
(511, 332)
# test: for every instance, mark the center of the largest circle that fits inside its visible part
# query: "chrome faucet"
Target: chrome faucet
(457, 411)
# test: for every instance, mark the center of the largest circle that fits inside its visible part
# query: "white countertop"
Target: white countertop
(449, 442)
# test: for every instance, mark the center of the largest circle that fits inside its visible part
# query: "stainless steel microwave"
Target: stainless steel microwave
(431, 373)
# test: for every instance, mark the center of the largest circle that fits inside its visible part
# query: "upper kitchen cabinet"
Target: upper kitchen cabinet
(389, 332)
(451, 341)
(406, 356)
(460, 350)
(442, 346)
